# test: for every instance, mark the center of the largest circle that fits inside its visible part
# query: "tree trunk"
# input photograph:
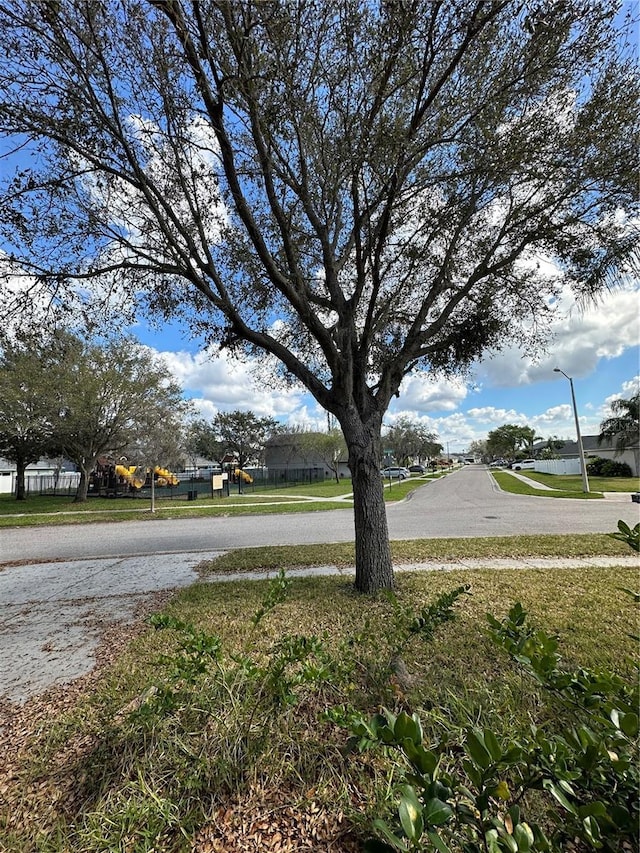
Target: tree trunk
(21, 491)
(374, 570)
(83, 485)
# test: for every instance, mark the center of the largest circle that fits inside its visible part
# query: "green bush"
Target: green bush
(599, 467)
(473, 793)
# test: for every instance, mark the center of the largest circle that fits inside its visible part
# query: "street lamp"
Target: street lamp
(583, 464)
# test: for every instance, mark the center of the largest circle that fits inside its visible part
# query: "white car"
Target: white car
(524, 465)
(396, 473)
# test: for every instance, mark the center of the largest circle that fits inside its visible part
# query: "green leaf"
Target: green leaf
(553, 789)
(492, 745)
(410, 812)
(596, 809)
(592, 830)
(437, 812)
(395, 842)
(629, 724)
(422, 759)
(491, 841)
(477, 750)
(523, 836)
(407, 727)
(472, 772)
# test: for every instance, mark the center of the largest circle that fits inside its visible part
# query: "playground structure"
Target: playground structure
(239, 474)
(112, 479)
(132, 476)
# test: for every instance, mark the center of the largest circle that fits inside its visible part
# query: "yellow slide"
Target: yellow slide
(165, 478)
(128, 474)
(247, 478)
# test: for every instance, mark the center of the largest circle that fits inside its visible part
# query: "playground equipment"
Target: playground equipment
(165, 478)
(136, 476)
(128, 475)
(240, 474)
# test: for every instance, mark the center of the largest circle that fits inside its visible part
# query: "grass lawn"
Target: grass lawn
(272, 558)
(234, 738)
(573, 482)
(564, 486)
(50, 510)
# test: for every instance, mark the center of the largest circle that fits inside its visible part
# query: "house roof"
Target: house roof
(590, 445)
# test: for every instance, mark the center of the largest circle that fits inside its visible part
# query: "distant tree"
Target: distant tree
(202, 440)
(328, 447)
(528, 438)
(550, 451)
(504, 441)
(622, 428)
(110, 396)
(244, 434)
(479, 448)
(411, 441)
(27, 404)
(357, 190)
(158, 442)
(508, 439)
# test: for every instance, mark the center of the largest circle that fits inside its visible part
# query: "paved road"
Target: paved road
(55, 614)
(466, 503)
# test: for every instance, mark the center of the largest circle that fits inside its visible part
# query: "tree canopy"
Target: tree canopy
(244, 434)
(410, 441)
(114, 398)
(508, 439)
(65, 396)
(353, 189)
(27, 404)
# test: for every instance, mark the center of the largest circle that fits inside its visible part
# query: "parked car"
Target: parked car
(524, 465)
(395, 473)
(417, 469)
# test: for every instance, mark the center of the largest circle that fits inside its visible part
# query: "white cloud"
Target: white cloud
(423, 394)
(580, 339)
(221, 383)
(627, 390)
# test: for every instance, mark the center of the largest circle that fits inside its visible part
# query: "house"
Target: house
(44, 474)
(287, 460)
(606, 450)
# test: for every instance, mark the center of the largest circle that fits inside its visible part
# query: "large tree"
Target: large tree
(508, 439)
(114, 398)
(358, 189)
(245, 434)
(27, 404)
(410, 441)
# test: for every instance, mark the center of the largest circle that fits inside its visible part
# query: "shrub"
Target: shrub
(600, 467)
(472, 793)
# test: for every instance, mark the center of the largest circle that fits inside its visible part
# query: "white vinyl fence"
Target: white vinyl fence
(558, 466)
(40, 483)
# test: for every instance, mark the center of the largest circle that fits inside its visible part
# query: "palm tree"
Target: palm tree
(623, 427)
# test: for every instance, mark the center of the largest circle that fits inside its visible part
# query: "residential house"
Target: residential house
(286, 460)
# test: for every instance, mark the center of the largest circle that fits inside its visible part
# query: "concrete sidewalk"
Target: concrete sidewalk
(55, 615)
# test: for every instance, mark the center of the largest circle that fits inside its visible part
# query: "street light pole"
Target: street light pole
(583, 464)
